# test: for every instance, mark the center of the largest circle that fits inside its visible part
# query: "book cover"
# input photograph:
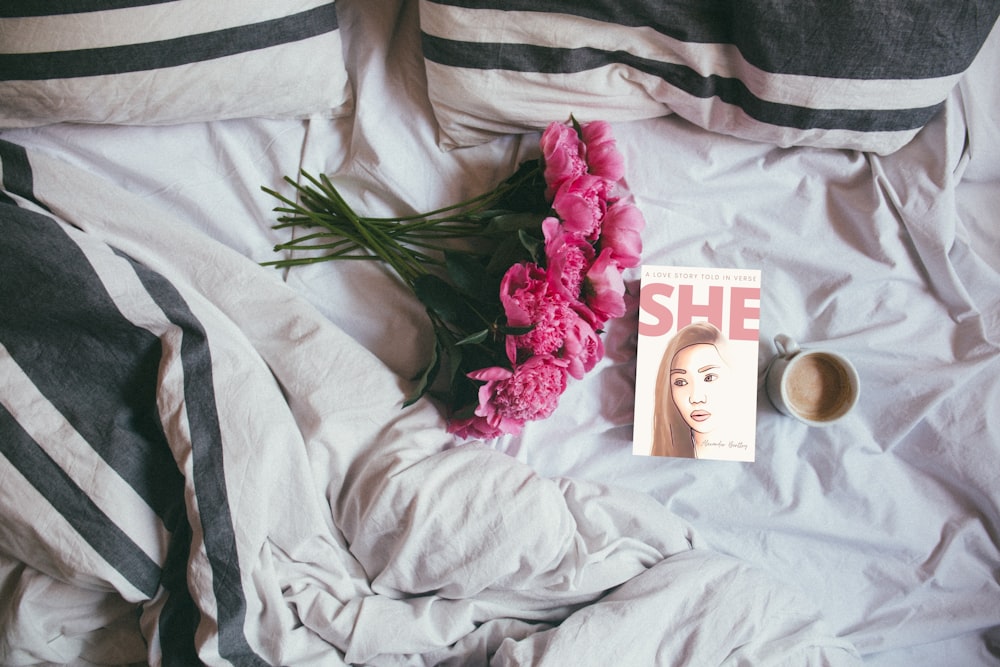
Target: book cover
(696, 363)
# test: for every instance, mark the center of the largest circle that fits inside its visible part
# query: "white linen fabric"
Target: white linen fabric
(886, 523)
(152, 62)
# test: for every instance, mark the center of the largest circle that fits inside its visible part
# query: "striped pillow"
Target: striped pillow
(152, 62)
(854, 74)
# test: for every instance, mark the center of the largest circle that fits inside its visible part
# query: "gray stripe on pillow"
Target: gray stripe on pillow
(852, 39)
(170, 52)
(26, 8)
(544, 60)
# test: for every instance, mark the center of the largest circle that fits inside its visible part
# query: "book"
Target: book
(696, 363)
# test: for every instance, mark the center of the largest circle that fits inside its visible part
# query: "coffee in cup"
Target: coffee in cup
(815, 386)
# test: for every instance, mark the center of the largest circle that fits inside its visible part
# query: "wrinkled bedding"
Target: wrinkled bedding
(203, 455)
(319, 518)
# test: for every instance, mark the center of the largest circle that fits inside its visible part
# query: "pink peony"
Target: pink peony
(474, 427)
(603, 156)
(564, 156)
(604, 289)
(622, 234)
(567, 257)
(581, 204)
(528, 299)
(512, 397)
(583, 349)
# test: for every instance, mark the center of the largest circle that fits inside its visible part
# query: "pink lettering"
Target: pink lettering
(687, 309)
(735, 310)
(660, 311)
(740, 312)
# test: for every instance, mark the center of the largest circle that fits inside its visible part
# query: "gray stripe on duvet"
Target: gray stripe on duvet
(17, 178)
(70, 501)
(97, 368)
(169, 52)
(544, 60)
(209, 467)
(859, 39)
(179, 617)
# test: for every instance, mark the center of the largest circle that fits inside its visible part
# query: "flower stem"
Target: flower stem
(404, 242)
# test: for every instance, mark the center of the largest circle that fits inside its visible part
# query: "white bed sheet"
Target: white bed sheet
(889, 521)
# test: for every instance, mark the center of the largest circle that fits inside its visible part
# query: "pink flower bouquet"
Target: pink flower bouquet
(518, 312)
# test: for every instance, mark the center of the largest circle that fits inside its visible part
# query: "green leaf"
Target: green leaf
(526, 189)
(455, 359)
(512, 222)
(487, 214)
(439, 296)
(509, 252)
(461, 397)
(516, 331)
(475, 338)
(426, 377)
(469, 275)
(443, 299)
(534, 246)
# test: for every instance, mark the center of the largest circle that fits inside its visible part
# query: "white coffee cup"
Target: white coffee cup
(815, 385)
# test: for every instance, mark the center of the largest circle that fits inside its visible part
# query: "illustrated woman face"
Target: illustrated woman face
(698, 379)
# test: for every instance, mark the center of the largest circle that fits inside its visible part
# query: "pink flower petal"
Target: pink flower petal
(603, 157)
(622, 234)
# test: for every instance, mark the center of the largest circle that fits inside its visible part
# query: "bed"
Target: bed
(207, 460)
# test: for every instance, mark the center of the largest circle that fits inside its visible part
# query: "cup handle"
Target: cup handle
(787, 347)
